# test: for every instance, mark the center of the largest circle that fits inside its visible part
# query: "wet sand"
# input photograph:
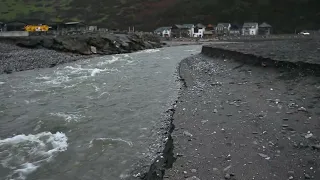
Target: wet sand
(241, 120)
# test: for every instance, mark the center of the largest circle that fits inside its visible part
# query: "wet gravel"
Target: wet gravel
(237, 121)
(14, 58)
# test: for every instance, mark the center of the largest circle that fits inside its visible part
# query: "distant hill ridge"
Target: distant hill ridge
(284, 15)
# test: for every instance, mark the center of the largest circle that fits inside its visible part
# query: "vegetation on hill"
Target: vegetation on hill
(284, 15)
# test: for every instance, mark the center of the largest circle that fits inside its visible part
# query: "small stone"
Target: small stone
(285, 119)
(227, 168)
(307, 176)
(185, 172)
(316, 146)
(302, 109)
(215, 169)
(263, 155)
(227, 176)
(228, 157)
(186, 133)
(285, 125)
(290, 177)
(193, 178)
(179, 155)
(290, 172)
(193, 170)
(215, 111)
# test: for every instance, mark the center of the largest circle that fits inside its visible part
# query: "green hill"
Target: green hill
(284, 15)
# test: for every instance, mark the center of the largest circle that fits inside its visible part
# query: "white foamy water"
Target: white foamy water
(24, 154)
(110, 61)
(2, 83)
(149, 51)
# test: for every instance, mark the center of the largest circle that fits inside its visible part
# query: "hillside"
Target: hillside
(284, 15)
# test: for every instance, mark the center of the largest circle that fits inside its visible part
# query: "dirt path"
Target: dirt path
(242, 122)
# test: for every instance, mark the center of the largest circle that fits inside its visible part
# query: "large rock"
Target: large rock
(83, 44)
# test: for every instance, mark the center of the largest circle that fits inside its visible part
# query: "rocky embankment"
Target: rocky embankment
(19, 54)
(249, 111)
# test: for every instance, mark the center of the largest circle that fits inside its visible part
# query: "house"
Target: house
(179, 31)
(250, 29)
(74, 26)
(235, 30)
(190, 28)
(265, 29)
(223, 28)
(14, 26)
(166, 32)
(199, 30)
(93, 28)
(208, 34)
(209, 31)
(163, 31)
(158, 31)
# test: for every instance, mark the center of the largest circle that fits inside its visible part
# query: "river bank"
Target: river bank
(25, 53)
(248, 111)
(100, 118)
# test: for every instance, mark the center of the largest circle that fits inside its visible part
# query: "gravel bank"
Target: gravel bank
(302, 50)
(14, 58)
(238, 121)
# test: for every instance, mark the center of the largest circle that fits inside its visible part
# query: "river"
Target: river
(93, 119)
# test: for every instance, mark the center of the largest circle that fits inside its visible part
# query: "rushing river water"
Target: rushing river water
(93, 119)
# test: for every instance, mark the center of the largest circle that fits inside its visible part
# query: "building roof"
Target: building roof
(160, 29)
(223, 24)
(235, 26)
(72, 22)
(249, 24)
(210, 26)
(265, 25)
(199, 25)
(187, 25)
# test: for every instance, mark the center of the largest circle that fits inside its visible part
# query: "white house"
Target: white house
(199, 30)
(163, 31)
(190, 28)
(223, 28)
(250, 29)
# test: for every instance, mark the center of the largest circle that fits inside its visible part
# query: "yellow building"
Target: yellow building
(36, 28)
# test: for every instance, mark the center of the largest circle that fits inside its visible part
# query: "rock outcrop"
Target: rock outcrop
(88, 44)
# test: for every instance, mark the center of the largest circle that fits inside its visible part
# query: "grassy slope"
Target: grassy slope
(285, 15)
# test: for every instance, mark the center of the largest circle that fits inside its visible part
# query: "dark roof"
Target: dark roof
(223, 24)
(187, 25)
(235, 26)
(265, 25)
(199, 25)
(178, 26)
(160, 29)
(249, 24)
